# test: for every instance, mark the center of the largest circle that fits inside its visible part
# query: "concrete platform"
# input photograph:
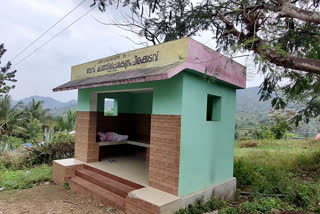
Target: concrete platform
(145, 200)
(131, 168)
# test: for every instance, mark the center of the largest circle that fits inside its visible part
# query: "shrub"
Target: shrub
(13, 160)
(304, 195)
(62, 137)
(309, 161)
(263, 133)
(201, 207)
(10, 142)
(34, 131)
(244, 173)
(261, 205)
(22, 179)
(61, 147)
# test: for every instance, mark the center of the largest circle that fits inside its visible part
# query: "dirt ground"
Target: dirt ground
(49, 199)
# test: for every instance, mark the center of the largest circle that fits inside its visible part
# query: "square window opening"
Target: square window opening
(213, 108)
(110, 107)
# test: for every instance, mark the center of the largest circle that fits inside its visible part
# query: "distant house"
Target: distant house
(318, 136)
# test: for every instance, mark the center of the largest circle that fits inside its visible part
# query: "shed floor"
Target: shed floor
(129, 167)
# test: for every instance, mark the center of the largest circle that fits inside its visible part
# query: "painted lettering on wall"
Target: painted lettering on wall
(108, 64)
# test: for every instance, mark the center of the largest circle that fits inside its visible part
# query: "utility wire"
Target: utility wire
(54, 37)
(67, 14)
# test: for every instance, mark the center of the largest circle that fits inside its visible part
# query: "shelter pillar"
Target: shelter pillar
(86, 148)
(164, 157)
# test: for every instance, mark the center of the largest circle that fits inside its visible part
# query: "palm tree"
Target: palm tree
(35, 110)
(11, 117)
(68, 122)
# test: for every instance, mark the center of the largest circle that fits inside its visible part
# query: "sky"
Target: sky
(22, 21)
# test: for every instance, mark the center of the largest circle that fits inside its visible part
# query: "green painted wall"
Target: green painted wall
(166, 97)
(139, 103)
(206, 156)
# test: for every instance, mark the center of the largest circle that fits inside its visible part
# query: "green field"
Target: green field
(285, 154)
(280, 176)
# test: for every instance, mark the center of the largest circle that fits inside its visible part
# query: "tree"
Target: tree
(280, 127)
(283, 35)
(6, 75)
(35, 110)
(263, 133)
(34, 133)
(11, 118)
(68, 122)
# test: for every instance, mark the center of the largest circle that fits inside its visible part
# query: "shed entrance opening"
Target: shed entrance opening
(123, 133)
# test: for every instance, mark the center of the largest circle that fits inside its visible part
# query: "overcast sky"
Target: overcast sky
(22, 21)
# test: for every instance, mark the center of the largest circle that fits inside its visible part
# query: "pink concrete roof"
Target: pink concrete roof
(200, 58)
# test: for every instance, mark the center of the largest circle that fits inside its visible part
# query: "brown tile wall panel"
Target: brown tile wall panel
(136, 126)
(138, 206)
(86, 148)
(61, 173)
(164, 157)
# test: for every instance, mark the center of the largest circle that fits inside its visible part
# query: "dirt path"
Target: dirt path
(48, 199)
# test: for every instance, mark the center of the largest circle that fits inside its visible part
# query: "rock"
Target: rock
(1, 189)
(213, 212)
(275, 211)
(47, 183)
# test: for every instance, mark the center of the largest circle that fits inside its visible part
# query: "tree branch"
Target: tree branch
(289, 10)
(262, 48)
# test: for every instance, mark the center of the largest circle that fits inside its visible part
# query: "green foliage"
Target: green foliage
(61, 147)
(10, 142)
(202, 207)
(309, 162)
(16, 159)
(35, 110)
(109, 113)
(302, 195)
(263, 133)
(62, 137)
(26, 178)
(11, 117)
(66, 185)
(280, 127)
(6, 75)
(277, 130)
(278, 174)
(68, 122)
(34, 133)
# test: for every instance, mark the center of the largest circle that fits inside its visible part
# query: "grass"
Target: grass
(22, 179)
(277, 174)
(283, 154)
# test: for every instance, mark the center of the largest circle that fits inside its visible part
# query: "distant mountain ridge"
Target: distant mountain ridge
(248, 102)
(56, 107)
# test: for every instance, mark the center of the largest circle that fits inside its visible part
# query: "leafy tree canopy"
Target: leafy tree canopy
(5, 74)
(283, 35)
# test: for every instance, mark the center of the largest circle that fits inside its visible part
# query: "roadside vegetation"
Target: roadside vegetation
(30, 139)
(273, 176)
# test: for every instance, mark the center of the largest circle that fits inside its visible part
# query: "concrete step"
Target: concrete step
(89, 189)
(113, 177)
(104, 182)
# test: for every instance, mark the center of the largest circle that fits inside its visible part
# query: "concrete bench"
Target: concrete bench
(147, 145)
